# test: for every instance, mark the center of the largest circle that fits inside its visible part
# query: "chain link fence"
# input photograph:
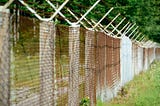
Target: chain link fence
(57, 65)
(157, 53)
(108, 66)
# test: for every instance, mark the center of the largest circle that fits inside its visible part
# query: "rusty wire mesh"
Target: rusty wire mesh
(48, 71)
(25, 74)
(62, 66)
(157, 51)
(151, 53)
(57, 65)
(42, 71)
(108, 64)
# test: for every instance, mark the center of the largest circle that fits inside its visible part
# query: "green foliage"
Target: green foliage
(100, 103)
(85, 101)
(145, 13)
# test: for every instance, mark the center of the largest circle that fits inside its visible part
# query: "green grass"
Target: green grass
(143, 90)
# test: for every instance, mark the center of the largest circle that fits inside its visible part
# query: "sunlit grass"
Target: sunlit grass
(144, 90)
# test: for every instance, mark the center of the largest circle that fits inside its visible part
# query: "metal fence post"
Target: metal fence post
(74, 32)
(4, 58)
(47, 43)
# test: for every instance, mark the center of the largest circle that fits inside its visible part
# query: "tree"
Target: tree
(145, 13)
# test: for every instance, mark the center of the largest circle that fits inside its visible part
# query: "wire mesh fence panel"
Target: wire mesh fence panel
(108, 61)
(109, 58)
(115, 76)
(4, 58)
(37, 68)
(116, 62)
(61, 83)
(100, 68)
(25, 69)
(144, 59)
(157, 53)
(151, 54)
(108, 68)
(57, 65)
(140, 59)
(83, 82)
(40, 73)
(135, 58)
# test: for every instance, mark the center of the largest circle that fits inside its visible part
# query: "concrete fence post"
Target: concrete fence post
(4, 58)
(73, 97)
(47, 59)
(90, 66)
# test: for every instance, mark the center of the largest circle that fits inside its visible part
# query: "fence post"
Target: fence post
(4, 58)
(74, 32)
(47, 56)
(90, 67)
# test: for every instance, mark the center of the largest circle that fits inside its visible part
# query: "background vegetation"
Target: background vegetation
(145, 13)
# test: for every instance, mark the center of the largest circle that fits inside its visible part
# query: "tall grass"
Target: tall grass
(143, 90)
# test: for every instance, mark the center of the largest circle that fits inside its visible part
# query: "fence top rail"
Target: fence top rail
(38, 16)
(8, 4)
(2, 9)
